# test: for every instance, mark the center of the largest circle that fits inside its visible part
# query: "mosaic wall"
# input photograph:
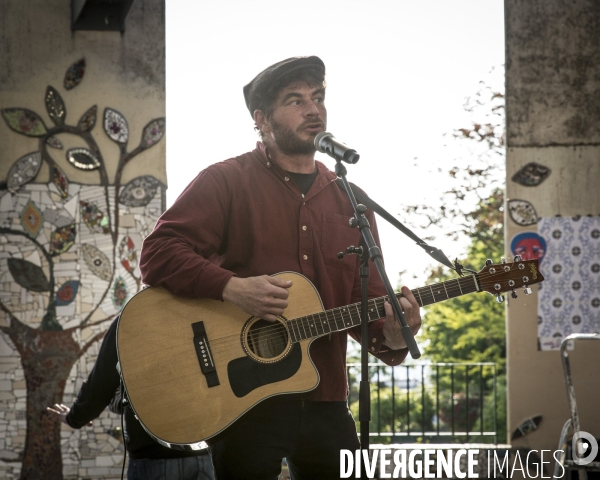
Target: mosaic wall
(68, 264)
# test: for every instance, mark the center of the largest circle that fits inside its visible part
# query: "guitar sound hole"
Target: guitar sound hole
(267, 340)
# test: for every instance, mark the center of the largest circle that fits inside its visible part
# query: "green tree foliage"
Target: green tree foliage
(472, 328)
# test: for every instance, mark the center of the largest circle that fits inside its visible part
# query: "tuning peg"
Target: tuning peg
(488, 262)
(527, 290)
(514, 294)
(500, 298)
(518, 258)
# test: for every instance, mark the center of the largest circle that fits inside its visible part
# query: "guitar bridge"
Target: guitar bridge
(207, 365)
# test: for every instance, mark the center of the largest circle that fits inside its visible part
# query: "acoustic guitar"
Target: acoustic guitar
(192, 367)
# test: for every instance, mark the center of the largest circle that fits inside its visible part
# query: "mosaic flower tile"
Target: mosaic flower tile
(63, 238)
(55, 106)
(139, 191)
(74, 74)
(115, 126)
(24, 121)
(23, 170)
(88, 119)
(128, 254)
(54, 143)
(67, 292)
(60, 181)
(83, 159)
(153, 132)
(32, 219)
(97, 261)
(120, 293)
(94, 218)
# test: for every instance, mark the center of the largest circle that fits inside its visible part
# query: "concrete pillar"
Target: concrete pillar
(82, 180)
(553, 130)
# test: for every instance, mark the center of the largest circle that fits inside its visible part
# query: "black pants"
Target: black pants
(308, 434)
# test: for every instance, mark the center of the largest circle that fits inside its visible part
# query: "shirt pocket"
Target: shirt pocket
(336, 236)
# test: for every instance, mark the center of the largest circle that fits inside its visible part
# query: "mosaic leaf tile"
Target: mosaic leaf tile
(94, 218)
(28, 275)
(74, 74)
(97, 261)
(153, 132)
(88, 119)
(119, 293)
(54, 143)
(32, 219)
(139, 191)
(55, 106)
(62, 239)
(67, 293)
(24, 121)
(128, 254)
(531, 175)
(522, 212)
(115, 126)
(23, 170)
(60, 180)
(83, 159)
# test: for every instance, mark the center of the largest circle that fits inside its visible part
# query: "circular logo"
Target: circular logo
(576, 320)
(556, 234)
(595, 302)
(595, 233)
(576, 285)
(576, 251)
(595, 268)
(557, 268)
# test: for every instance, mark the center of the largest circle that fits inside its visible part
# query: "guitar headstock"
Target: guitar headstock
(507, 277)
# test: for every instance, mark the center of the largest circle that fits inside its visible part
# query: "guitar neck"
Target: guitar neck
(343, 318)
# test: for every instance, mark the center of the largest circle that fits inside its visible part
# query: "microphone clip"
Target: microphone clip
(351, 250)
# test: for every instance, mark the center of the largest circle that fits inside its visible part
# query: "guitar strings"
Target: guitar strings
(306, 329)
(279, 330)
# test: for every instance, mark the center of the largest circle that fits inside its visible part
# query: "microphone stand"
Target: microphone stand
(370, 251)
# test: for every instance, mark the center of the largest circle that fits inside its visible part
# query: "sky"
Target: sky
(398, 75)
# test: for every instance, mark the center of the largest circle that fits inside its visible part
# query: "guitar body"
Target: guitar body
(161, 371)
(192, 367)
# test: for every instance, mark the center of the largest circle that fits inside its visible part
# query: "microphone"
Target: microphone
(325, 142)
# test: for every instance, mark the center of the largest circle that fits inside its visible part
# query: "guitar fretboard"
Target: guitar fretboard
(342, 318)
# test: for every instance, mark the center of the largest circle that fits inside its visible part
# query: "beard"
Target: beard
(289, 142)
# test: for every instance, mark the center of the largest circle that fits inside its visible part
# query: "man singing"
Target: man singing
(271, 210)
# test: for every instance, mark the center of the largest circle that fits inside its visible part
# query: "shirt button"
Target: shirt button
(287, 179)
(305, 257)
(303, 227)
(268, 164)
(372, 349)
(374, 340)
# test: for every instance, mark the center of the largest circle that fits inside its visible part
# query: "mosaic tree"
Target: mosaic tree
(69, 266)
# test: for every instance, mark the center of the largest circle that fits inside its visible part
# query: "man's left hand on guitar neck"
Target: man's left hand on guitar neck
(392, 330)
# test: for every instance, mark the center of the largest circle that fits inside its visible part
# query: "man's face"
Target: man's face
(299, 115)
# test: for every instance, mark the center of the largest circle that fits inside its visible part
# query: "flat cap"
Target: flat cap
(254, 91)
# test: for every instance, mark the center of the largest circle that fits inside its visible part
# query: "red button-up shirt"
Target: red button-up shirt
(246, 217)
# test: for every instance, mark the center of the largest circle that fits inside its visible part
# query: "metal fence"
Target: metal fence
(432, 403)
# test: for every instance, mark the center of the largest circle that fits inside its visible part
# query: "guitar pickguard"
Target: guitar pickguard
(246, 375)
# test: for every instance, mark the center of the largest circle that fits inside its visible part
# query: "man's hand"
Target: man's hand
(392, 330)
(264, 297)
(61, 411)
